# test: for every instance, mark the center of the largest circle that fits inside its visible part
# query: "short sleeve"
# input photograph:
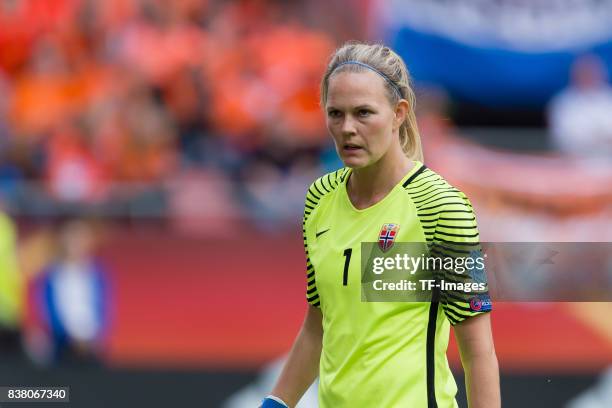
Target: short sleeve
(464, 290)
(311, 202)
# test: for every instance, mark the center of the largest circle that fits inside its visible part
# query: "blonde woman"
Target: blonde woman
(382, 354)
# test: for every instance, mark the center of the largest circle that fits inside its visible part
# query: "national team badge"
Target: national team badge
(387, 236)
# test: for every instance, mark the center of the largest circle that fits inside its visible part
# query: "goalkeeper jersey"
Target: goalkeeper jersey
(384, 354)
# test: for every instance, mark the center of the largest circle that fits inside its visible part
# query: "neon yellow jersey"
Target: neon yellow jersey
(382, 354)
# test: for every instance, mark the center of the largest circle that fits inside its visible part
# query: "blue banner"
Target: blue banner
(484, 61)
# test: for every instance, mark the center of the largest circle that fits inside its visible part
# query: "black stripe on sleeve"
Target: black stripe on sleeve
(441, 205)
(457, 226)
(431, 195)
(343, 176)
(429, 189)
(457, 219)
(445, 211)
(457, 306)
(426, 185)
(329, 183)
(317, 188)
(419, 171)
(313, 194)
(458, 315)
(323, 185)
(425, 181)
(448, 234)
(442, 188)
(438, 249)
(310, 201)
(456, 298)
(452, 320)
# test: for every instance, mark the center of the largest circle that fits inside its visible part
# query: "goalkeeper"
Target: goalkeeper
(382, 354)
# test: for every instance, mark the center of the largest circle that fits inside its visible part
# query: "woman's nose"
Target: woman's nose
(348, 125)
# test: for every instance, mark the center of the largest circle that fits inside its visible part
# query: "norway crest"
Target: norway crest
(387, 235)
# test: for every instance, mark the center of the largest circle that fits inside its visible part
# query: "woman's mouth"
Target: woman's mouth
(351, 147)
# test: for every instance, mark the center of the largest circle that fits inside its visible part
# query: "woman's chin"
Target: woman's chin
(355, 159)
(355, 163)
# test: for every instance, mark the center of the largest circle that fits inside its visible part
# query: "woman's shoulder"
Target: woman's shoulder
(425, 177)
(325, 184)
(429, 187)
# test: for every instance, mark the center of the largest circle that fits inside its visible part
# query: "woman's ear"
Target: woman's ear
(400, 114)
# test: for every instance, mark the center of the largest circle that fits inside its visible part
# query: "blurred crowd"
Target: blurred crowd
(104, 101)
(202, 111)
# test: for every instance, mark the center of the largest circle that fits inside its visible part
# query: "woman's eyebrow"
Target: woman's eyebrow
(364, 106)
(358, 107)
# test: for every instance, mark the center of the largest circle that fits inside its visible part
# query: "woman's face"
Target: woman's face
(360, 118)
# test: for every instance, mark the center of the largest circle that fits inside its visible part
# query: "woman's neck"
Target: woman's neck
(369, 185)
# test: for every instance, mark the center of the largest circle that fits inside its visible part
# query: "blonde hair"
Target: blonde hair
(397, 78)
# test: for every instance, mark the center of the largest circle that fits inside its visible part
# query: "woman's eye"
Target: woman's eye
(334, 114)
(364, 113)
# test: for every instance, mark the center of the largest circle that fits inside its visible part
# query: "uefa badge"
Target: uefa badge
(387, 236)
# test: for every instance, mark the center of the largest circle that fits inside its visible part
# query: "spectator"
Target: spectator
(72, 294)
(580, 117)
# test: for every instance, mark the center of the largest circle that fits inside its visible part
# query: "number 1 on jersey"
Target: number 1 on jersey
(347, 261)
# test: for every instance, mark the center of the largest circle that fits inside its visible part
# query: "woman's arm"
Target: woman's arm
(475, 342)
(302, 366)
